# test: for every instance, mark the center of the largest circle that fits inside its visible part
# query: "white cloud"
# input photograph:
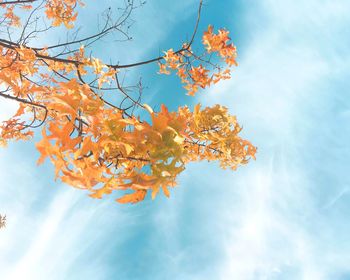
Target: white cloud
(44, 239)
(280, 87)
(273, 219)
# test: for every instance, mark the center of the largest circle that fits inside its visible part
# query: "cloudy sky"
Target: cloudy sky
(284, 216)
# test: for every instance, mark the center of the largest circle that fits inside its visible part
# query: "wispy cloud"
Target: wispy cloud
(53, 230)
(286, 94)
(281, 217)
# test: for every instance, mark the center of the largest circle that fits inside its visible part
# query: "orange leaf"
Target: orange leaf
(135, 197)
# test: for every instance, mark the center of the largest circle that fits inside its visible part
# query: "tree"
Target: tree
(101, 145)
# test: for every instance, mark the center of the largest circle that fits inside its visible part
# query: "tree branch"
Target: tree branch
(17, 2)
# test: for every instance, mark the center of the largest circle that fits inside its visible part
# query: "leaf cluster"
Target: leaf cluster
(96, 144)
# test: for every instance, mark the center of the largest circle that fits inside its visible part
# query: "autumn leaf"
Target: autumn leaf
(95, 128)
(134, 197)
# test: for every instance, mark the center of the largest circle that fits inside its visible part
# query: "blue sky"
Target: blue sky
(284, 216)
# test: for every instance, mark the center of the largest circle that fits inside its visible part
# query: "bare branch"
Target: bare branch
(17, 2)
